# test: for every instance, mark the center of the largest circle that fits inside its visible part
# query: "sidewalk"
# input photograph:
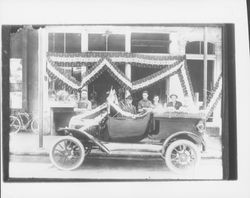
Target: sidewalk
(26, 143)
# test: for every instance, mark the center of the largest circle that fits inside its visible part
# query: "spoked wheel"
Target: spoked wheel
(34, 126)
(15, 124)
(67, 153)
(182, 156)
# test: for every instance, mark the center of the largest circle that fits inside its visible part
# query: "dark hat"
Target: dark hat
(145, 92)
(173, 95)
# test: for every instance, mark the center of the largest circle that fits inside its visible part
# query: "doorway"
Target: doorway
(101, 86)
(158, 88)
(196, 71)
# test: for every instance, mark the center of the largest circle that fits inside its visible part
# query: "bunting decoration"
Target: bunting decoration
(105, 61)
(82, 59)
(214, 97)
(92, 118)
(185, 81)
(68, 81)
(156, 77)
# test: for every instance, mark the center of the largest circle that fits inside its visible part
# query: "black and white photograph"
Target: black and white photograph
(99, 100)
(107, 97)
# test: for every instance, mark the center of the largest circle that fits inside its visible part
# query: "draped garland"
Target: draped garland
(156, 77)
(185, 81)
(214, 98)
(83, 59)
(107, 61)
(107, 64)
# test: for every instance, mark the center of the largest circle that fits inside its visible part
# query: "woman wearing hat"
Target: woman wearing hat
(174, 102)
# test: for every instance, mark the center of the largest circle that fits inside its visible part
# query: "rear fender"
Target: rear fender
(184, 135)
(83, 135)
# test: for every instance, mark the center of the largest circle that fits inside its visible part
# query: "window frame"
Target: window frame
(64, 41)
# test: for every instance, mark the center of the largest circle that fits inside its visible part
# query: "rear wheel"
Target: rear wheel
(15, 124)
(182, 156)
(67, 153)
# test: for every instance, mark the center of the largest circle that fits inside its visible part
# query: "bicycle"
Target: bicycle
(22, 121)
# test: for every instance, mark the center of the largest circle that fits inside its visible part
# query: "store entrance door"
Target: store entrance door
(101, 87)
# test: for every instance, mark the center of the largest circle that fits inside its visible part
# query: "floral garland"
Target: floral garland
(67, 80)
(215, 87)
(184, 88)
(154, 78)
(215, 97)
(113, 70)
(103, 64)
(80, 59)
(189, 82)
(94, 73)
(90, 54)
(209, 113)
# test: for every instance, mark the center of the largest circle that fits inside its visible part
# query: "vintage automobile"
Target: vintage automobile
(175, 136)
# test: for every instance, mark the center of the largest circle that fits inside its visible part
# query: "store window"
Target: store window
(196, 66)
(197, 47)
(150, 43)
(65, 42)
(106, 42)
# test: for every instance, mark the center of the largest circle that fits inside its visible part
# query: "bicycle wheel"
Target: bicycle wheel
(15, 124)
(34, 126)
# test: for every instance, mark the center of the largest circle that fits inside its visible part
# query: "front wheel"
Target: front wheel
(182, 156)
(15, 124)
(67, 153)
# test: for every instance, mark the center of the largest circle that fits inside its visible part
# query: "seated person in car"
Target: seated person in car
(156, 102)
(144, 104)
(128, 106)
(174, 103)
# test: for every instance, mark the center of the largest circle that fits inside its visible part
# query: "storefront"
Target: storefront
(186, 61)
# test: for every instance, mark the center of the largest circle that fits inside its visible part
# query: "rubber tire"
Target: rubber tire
(169, 150)
(70, 138)
(19, 124)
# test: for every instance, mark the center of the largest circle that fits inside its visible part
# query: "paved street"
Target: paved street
(109, 168)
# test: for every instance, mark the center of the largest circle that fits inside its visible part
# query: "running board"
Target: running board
(128, 149)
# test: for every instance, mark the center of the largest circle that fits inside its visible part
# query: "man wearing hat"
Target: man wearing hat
(174, 102)
(128, 106)
(144, 104)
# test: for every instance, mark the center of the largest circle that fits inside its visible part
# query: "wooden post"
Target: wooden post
(128, 68)
(84, 48)
(167, 89)
(205, 70)
(40, 87)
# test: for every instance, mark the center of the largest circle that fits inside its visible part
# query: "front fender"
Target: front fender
(83, 135)
(185, 135)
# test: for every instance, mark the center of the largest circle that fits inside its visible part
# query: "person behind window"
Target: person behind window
(83, 103)
(144, 104)
(174, 103)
